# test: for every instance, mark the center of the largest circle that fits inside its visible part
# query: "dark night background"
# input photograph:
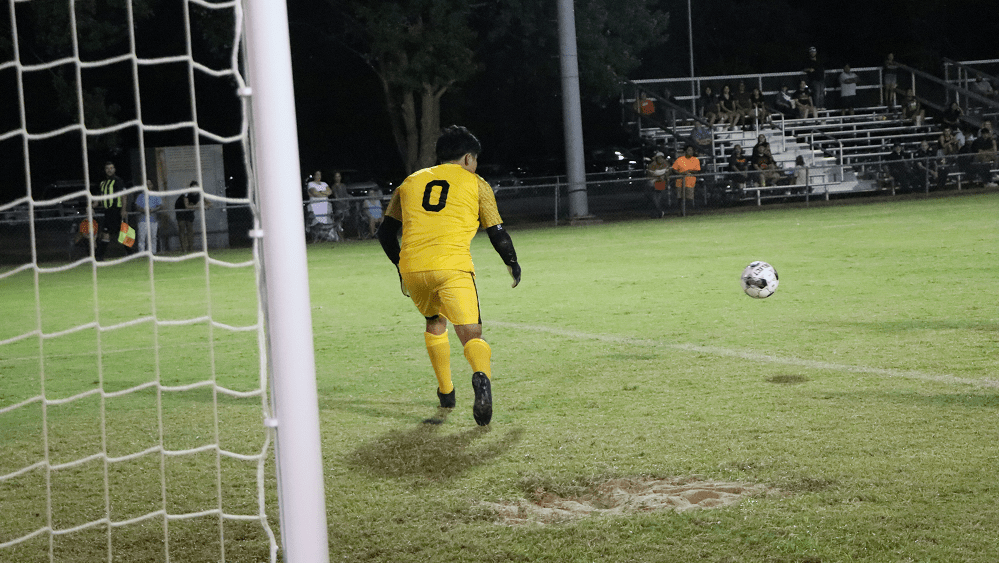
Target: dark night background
(343, 122)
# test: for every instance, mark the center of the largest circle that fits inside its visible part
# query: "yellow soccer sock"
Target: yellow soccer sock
(439, 350)
(478, 353)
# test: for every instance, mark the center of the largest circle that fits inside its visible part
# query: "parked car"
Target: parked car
(611, 159)
(503, 179)
(75, 206)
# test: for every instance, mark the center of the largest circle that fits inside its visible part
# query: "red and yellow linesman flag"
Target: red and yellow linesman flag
(127, 235)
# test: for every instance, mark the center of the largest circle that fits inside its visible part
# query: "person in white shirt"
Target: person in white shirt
(319, 193)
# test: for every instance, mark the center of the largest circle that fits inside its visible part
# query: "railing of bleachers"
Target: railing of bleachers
(868, 88)
(963, 74)
(933, 91)
(630, 93)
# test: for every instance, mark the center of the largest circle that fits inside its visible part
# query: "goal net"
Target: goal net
(145, 385)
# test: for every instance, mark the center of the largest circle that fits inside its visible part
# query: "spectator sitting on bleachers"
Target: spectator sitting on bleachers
(912, 110)
(948, 142)
(738, 165)
(644, 105)
(803, 100)
(728, 108)
(951, 117)
(962, 138)
(765, 167)
(709, 106)
(760, 110)
(923, 161)
(983, 87)
(784, 102)
(761, 141)
(898, 168)
(700, 139)
(984, 149)
(744, 104)
(800, 177)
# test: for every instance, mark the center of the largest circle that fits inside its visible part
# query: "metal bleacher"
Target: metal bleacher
(844, 153)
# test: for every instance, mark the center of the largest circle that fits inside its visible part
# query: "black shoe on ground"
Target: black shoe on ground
(447, 401)
(482, 409)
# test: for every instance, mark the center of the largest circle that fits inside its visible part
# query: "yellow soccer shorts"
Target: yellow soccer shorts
(450, 293)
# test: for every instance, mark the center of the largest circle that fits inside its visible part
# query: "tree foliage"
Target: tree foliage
(423, 49)
(418, 49)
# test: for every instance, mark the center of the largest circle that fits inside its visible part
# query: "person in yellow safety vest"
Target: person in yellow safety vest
(115, 210)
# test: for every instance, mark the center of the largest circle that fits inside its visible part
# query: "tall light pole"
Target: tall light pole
(571, 111)
(690, 37)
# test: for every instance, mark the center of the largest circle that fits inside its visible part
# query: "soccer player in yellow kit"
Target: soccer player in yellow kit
(438, 210)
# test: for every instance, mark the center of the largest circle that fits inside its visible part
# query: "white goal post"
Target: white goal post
(289, 315)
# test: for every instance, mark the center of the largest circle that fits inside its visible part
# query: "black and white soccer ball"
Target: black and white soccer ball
(759, 280)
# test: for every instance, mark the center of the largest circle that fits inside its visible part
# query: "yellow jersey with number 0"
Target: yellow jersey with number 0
(441, 208)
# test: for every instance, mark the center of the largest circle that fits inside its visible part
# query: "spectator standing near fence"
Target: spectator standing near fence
(184, 209)
(656, 172)
(373, 209)
(686, 168)
(848, 90)
(319, 203)
(341, 203)
(815, 73)
(148, 206)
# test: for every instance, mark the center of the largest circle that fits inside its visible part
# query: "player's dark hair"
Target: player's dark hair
(455, 142)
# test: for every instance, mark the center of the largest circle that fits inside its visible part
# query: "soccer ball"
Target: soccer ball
(759, 280)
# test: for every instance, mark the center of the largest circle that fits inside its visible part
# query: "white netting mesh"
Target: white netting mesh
(133, 389)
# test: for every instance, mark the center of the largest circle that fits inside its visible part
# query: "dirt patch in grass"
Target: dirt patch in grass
(624, 496)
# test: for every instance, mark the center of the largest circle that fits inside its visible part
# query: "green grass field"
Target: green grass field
(860, 403)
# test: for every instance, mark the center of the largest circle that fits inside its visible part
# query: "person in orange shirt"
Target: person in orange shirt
(685, 169)
(84, 236)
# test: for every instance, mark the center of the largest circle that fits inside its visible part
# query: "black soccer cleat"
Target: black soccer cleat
(482, 409)
(447, 401)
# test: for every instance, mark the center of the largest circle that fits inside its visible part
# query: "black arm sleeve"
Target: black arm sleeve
(502, 243)
(388, 236)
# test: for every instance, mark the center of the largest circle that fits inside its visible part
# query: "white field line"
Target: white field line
(752, 356)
